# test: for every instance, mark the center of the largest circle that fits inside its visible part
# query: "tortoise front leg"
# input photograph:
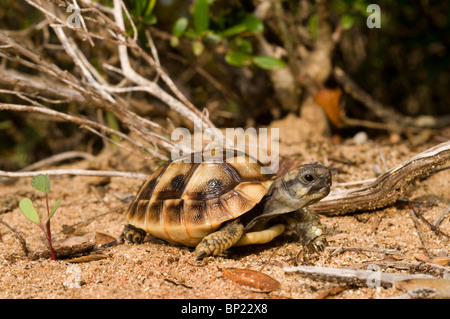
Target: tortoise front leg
(219, 241)
(309, 229)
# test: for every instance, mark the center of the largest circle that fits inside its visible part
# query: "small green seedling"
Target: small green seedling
(42, 184)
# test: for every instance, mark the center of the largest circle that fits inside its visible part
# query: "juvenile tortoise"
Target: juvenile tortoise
(227, 200)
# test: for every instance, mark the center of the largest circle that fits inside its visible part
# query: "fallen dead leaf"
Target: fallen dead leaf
(442, 286)
(251, 279)
(399, 257)
(99, 238)
(422, 257)
(328, 99)
(98, 180)
(441, 261)
(88, 258)
(338, 236)
(332, 292)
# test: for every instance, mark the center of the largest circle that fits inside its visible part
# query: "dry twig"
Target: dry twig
(78, 120)
(406, 265)
(353, 277)
(441, 216)
(341, 249)
(419, 232)
(434, 228)
(77, 172)
(57, 158)
(22, 241)
(393, 121)
(90, 89)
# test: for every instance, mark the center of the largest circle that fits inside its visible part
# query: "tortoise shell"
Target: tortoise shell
(185, 200)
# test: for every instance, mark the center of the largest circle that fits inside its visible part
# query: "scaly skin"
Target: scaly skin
(219, 241)
(309, 229)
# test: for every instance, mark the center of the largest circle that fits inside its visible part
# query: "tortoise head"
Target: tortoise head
(298, 188)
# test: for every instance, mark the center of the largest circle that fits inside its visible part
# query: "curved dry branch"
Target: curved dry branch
(80, 121)
(184, 108)
(393, 120)
(86, 85)
(75, 172)
(387, 188)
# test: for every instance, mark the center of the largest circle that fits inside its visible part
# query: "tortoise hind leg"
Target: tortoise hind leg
(219, 241)
(132, 234)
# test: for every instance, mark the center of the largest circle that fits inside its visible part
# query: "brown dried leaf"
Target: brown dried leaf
(99, 238)
(251, 279)
(422, 257)
(442, 286)
(328, 99)
(441, 261)
(338, 237)
(97, 180)
(88, 258)
(331, 292)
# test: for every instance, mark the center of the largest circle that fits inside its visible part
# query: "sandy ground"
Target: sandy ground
(156, 269)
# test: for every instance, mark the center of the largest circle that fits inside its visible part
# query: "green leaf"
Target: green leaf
(55, 207)
(191, 34)
(241, 44)
(174, 41)
(150, 6)
(238, 58)
(197, 48)
(114, 124)
(250, 24)
(6, 125)
(212, 37)
(253, 24)
(112, 121)
(28, 210)
(268, 62)
(236, 29)
(347, 21)
(139, 6)
(179, 27)
(201, 15)
(41, 183)
(150, 19)
(313, 26)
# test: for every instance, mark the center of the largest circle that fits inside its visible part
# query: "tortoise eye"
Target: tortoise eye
(308, 177)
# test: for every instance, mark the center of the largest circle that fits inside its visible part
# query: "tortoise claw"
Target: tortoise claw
(113, 243)
(132, 234)
(317, 244)
(200, 256)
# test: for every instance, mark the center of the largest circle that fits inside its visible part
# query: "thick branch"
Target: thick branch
(36, 85)
(80, 121)
(367, 278)
(387, 188)
(397, 121)
(190, 113)
(76, 172)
